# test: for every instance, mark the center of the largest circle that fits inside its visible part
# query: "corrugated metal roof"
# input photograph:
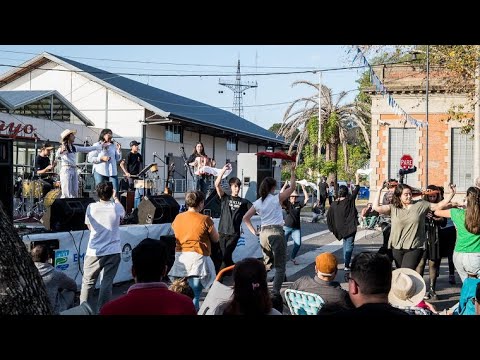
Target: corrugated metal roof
(18, 98)
(178, 106)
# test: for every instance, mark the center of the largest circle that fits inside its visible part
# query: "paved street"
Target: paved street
(316, 239)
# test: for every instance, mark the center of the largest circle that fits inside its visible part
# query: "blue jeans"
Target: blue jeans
(100, 178)
(348, 249)
(200, 183)
(296, 237)
(197, 288)
(138, 196)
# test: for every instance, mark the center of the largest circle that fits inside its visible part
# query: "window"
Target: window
(174, 133)
(232, 144)
(462, 160)
(402, 141)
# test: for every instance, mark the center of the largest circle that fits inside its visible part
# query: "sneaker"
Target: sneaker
(346, 269)
(451, 279)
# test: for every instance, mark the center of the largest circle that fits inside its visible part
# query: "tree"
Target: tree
(336, 120)
(22, 291)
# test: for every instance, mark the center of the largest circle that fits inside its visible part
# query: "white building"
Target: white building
(163, 122)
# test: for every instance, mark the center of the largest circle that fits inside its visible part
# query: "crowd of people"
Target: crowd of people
(416, 235)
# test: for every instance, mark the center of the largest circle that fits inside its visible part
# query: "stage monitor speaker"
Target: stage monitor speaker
(6, 176)
(158, 209)
(66, 214)
(212, 205)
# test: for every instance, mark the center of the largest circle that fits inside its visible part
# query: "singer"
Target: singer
(199, 159)
(105, 161)
(67, 153)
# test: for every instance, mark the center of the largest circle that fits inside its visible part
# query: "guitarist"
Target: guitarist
(134, 163)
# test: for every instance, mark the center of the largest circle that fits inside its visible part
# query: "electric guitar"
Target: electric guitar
(171, 169)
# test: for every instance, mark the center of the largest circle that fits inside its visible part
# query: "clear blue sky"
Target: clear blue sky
(272, 89)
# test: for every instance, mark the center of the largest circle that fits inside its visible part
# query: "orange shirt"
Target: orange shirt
(192, 232)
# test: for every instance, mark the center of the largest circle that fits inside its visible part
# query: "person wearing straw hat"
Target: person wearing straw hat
(408, 288)
(67, 153)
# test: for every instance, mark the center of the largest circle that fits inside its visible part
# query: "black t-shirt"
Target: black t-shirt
(232, 211)
(293, 215)
(323, 188)
(134, 163)
(41, 162)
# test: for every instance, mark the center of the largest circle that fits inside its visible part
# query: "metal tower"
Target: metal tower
(238, 89)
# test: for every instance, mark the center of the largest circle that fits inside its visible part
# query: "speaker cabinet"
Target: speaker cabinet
(212, 205)
(6, 176)
(66, 214)
(158, 209)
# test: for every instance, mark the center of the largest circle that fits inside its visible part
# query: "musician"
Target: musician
(67, 153)
(43, 167)
(198, 159)
(134, 162)
(105, 160)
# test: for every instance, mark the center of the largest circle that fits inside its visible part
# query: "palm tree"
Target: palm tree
(336, 121)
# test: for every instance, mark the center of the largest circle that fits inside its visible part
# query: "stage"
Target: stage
(70, 247)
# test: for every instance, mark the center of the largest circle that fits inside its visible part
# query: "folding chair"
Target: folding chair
(303, 303)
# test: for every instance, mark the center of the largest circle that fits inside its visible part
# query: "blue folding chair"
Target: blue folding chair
(303, 303)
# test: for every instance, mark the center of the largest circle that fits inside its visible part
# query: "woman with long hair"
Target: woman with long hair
(407, 237)
(67, 154)
(432, 244)
(194, 234)
(272, 235)
(250, 291)
(105, 161)
(467, 223)
(198, 159)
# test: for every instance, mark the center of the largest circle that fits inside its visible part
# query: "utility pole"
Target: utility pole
(238, 89)
(476, 130)
(426, 117)
(319, 141)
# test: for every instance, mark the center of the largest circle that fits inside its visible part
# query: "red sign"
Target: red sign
(406, 162)
(14, 130)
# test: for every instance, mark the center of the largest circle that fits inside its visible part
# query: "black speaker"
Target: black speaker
(6, 176)
(66, 214)
(213, 204)
(158, 209)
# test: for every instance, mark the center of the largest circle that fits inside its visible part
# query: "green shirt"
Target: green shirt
(466, 241)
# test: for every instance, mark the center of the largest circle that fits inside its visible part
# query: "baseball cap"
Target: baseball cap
(134, 143)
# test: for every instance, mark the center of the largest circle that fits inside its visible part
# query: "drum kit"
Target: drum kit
(30, 202)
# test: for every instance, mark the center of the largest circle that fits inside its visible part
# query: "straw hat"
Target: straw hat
(408, 288)
(67, 132)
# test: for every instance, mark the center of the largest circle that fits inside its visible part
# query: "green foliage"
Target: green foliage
(358, 157)
(275, 127)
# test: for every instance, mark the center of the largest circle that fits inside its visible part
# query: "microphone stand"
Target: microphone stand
(187, 167)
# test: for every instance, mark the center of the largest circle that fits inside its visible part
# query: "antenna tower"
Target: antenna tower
(238, 87)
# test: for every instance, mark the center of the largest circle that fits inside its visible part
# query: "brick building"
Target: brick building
(450, 153)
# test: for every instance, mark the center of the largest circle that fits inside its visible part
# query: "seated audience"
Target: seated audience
(250, 291)
(407, 292)
(149, 295)
(466, 305)
(60, 288)
(369, 285)
(323, 283)
(182, 286)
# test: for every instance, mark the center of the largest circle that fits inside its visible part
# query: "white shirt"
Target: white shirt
(105, 168)
(104, 220)
(270, 210)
